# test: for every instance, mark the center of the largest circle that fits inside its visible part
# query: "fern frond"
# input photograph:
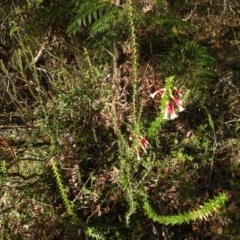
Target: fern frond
(94, 233)
(189, 55)
(196, 54)
(170, 22)
(203, 212)
(103, 24)
(88, 12)
(61, 187)
(203, 73)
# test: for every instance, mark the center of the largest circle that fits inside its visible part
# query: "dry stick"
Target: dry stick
(40, 52)
(190, 15)
(81, 191)
(16, 126)
(98, 206)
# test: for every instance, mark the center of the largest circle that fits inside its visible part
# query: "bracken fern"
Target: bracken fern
(90, 11)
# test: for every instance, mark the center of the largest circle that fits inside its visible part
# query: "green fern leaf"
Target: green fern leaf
(103, 24)
(86, 13)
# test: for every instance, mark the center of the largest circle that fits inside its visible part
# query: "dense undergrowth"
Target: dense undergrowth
(118, 121)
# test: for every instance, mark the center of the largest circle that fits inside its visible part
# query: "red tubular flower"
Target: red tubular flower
(178, 102)
(170, 111)
(138, 154)
(178, 91)
(161, 91)
(143, 144)
(172, 93)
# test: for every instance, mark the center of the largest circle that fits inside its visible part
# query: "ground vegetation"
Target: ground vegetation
(119, 119)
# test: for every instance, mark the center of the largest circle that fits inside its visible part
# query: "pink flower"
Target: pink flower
(169, 110)
(141, 141)
(138, 154)
(178, 91)
(178, 102)
(131, 137)
(143, 144)
(161, 90)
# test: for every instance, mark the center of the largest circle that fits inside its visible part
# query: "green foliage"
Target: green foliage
(211, 123)
(94, 233)
(104, 23)
(106, 178)
(203, 212)
(156, 125)
(133, 44)
(3, 170)
(61, 187)
(171, 25)
(189, 55)
(88, 12)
